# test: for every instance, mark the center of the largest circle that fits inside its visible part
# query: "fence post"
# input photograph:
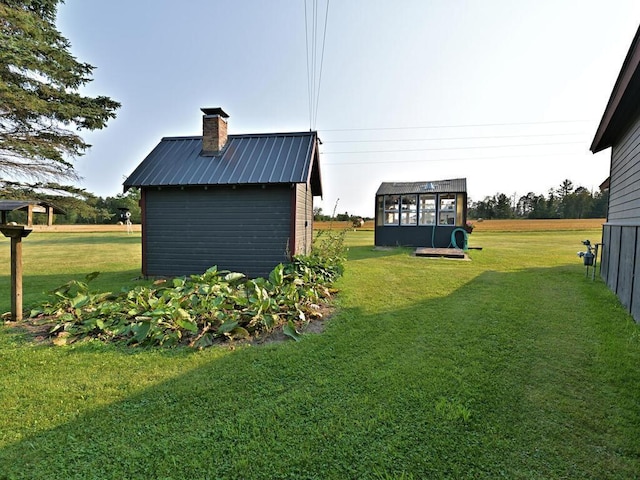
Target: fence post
(16, 233)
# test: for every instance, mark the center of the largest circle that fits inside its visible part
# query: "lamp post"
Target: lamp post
(16, 233)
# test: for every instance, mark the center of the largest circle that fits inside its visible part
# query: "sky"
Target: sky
(507, 94)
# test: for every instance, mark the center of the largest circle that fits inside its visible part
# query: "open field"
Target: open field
(519, 225)
(511, 365)
(533, 225)
(82, 228)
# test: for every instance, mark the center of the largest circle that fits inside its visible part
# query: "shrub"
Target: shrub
(200, 309)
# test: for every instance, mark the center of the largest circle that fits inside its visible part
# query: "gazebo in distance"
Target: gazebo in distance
(31, 207)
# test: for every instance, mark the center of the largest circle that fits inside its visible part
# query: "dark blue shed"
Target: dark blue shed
(241, 202)
(421, 214)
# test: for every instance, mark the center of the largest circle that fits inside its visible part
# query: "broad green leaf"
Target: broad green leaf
(79, 301)
(140, 331)
(227, 327)
(233, 277)
(270, 320)
(181, 313)
(187, 325)
(212, 270)
(239, 332)
(289, 329)
(276, 277)
(91, 276)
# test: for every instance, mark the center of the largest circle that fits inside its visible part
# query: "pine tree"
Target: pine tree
(40, 106)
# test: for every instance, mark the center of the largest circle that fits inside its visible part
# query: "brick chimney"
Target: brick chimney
(214, 130)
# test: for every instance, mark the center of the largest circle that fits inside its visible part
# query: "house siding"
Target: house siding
(624, 199)
(243, 229)
(620, 234)
(303, 219)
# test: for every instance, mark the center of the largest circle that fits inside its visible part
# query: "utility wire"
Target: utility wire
(454, 148)
(454, 126)
(306, 35)
(456, 159)
(314, 67)
(324, 39)
(455, 138)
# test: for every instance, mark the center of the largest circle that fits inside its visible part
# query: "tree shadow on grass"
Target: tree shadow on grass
(502, 377)
(37, 288)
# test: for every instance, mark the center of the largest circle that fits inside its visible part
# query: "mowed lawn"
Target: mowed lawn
(512, 365)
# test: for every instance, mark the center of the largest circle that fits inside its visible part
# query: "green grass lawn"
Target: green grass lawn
(512, 365)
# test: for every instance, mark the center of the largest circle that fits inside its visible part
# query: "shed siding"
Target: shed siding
(613, 257)
(624, 200)
(244, 230)
(304, 218)
(621, 264)
(416, 236)
(604, 254)
(620, 234)
(635, 291)
(626, 265)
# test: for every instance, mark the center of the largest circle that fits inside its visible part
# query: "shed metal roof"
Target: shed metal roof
(245, 159)
(456, 185)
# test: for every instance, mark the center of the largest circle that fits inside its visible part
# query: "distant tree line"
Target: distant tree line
(318, 216)
(80, 206)
(562, 202)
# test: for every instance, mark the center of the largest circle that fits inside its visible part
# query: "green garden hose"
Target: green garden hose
(465, 245)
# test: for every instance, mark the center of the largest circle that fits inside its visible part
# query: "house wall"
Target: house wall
(187, 231)
(303, 219)
(624, 193)
(620, 264)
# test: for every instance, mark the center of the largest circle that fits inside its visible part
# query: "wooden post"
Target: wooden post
(16, 233)
(30, 215)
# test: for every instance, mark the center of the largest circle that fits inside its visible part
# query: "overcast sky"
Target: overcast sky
(505, 93)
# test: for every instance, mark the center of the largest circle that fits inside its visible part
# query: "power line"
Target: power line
(314, 69)
(454, 148)
(454, 126)
(324, 38)
(454, 138)
(456, 159)
(306, 35)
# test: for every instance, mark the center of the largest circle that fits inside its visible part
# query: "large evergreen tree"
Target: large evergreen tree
(41, 108)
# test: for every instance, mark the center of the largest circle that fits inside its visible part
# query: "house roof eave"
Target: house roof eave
(620, 107)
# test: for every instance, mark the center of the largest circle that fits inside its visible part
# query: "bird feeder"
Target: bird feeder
(590, 257)
(16, 233)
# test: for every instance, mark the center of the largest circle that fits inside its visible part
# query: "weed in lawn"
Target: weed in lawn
(452, 410)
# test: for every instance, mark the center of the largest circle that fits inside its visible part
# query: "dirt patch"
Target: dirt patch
(313, 327)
